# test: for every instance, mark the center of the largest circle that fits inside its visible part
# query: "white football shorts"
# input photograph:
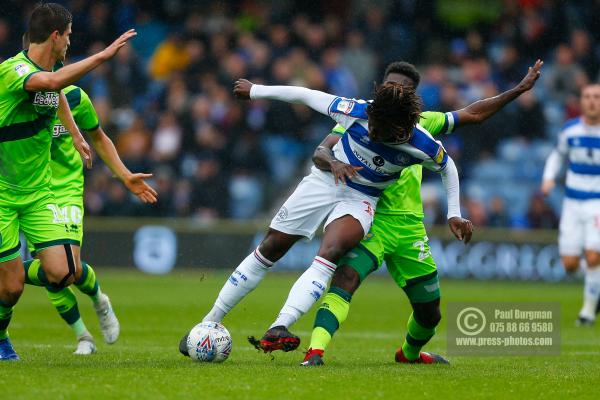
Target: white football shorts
(316, 199)
(579, 227)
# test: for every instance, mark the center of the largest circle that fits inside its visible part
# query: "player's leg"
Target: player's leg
(413, 269)
(571, 241)
(250, 272)
(591, 291)
(11, 274)
(299, 217)
(11, 287)
(353, 269)
(348, 222)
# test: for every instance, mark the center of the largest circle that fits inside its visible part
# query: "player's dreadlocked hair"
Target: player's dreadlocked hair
(394, 112)
(404, 68)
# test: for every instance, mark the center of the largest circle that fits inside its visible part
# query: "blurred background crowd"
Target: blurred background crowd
(166, 100)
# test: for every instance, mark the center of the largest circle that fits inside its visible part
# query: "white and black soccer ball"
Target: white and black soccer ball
(209, 342)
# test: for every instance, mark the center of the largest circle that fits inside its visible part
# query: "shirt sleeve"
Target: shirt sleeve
(438, 122)
(341, 110)
(86, 117)
(435, 156)
(17, 76)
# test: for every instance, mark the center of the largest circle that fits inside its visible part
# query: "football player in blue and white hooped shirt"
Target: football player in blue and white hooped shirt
(579, 145)
(346, 210)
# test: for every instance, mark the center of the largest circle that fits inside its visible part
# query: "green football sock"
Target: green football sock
(416, 338)
(66, 304)
(330, 316)
(34, 274)
(5, 315)
(88, 283)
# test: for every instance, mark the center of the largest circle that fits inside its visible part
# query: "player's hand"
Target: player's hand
(341, 171)
(461, 228)
(83, 148)
(533, 73)
(547, 186)
(115, 46)
(137, 185)
(241, 89)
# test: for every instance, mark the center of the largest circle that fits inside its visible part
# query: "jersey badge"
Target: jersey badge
(345, 106)
(439, 157)
(22, 69)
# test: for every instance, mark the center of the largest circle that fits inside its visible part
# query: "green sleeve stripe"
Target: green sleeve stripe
(338, 130)
(24, 130)
(93, 128)
(74, 98)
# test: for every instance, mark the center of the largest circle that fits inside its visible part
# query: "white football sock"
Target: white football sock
(591, 293)
(241, 282)
(307, 290)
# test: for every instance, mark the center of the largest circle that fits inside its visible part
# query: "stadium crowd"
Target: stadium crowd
(167, 102)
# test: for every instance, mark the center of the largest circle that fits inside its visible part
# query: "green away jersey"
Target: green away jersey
(404, 196)
(26, 120)
(66, 163)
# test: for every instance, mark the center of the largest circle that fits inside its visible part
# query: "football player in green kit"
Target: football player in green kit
(398, 235)
(67, 185)
(30, 98)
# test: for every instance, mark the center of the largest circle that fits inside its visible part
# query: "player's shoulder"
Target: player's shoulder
(572, 125)
(422, 140)
(18, 64)
(355, 108)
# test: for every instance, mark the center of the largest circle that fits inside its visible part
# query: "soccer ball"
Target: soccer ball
(209, 342)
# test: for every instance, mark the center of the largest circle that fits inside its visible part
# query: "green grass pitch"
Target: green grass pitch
(155, 311)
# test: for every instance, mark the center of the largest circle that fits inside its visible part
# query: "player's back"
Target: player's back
(382, 163)
(581, 144)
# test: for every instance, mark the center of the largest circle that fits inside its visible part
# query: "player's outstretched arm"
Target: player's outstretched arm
(481, 110)
(66, 119)
(460, 227)
(324, 159)
(318, 101)
(71, 73)
(135, 182)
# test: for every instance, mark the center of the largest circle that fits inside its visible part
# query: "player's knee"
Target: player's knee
(570, 263)
(428, 314)
(334, 251)
(346, 278)
(275, 245)
(12, 292)
(592, 258)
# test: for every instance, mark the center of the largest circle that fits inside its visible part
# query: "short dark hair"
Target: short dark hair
(393, 113)
(47, 18)
(404, 68)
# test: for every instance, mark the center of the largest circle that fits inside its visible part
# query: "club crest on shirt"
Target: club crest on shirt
(345, 106)
(282, 214)
(378, 161)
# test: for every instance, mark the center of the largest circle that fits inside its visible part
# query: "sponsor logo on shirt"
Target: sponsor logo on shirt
(59, 130)
(46, 99)
(22, 69)
(345, 106)
(378, 160)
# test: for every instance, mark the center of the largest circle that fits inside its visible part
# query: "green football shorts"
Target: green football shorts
(72, 212)
(401, 241)
(37, 215)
